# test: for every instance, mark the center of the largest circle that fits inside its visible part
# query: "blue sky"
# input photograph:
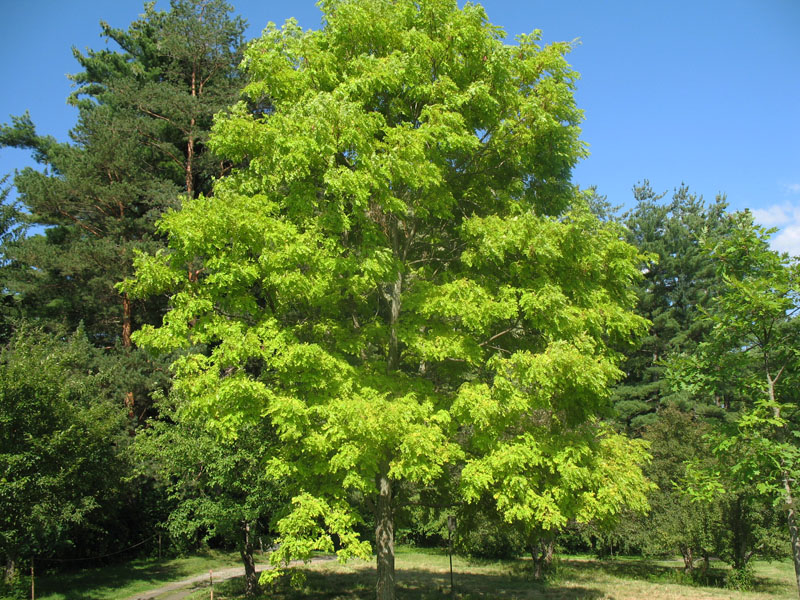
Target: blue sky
(705, 92)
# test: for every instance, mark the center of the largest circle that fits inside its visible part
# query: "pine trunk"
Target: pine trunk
(384, 539)
(190, 144)
(127, 322)
(127, 326)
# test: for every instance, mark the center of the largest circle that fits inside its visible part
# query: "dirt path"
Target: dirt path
(177, 590)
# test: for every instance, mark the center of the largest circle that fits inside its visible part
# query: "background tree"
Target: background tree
(217, 488)
(144, 115)
(177, 70)
(392, 271)
(677, 285)
(751, 350)
(676, 524)
(60, 440)
(589, 475)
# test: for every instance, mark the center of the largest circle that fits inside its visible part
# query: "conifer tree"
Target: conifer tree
(679, 281)
(145, 110)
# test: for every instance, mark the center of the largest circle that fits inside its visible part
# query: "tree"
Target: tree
(751, 351)
(400, 276)
(145, 111)
(675, 523)
(679, 282)
(12, 228)
(586, 474)
(177, 69)
(59, 464)
(217, 488)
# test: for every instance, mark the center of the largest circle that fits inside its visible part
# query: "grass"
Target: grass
(425, 575)
(115, 582)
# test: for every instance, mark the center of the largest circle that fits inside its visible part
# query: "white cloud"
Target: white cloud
(792, 188)
(788, 240)
(773, 216)
(786, 217)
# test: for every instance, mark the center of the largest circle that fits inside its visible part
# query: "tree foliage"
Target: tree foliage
(217, 488)
(751, 351)
(145, 110)
(60, 463)
(679, 282)
(400, 276)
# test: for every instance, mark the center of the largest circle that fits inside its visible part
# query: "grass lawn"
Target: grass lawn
(120, 581)
(425, 575)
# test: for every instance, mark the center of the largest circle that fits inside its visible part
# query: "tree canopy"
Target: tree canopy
(399, 274)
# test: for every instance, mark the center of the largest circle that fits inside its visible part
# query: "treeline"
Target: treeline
(267, 286)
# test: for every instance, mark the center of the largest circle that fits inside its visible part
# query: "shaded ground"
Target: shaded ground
(179, 590)
(427, 577)
(125, 580)
(421, 575)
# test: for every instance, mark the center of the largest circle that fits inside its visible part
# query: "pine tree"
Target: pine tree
(679, 281)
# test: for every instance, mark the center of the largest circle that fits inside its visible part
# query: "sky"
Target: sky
(702, 92)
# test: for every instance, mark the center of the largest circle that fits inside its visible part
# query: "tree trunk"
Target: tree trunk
(126, 322)
(190, 144)
(537, 563)
(126, 344)
(250, 575)
(688, 559)
(542, 554)
(10, 570)
(791, 518)
(189, 161)
(384, 538)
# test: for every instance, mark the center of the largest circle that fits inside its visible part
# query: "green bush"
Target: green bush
(740, 579)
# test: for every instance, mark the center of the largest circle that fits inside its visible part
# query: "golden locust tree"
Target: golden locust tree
(399, 274)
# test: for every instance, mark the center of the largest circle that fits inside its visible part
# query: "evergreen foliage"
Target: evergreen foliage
(679, 281)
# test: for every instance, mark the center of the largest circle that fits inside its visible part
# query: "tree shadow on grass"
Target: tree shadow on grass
(99, 583)
(652, 571)
(422, 584)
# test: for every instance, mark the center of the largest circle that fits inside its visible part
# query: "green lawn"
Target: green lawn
(121, 581)
(426, 576)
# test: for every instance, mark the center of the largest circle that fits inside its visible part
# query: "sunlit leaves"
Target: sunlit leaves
(390, 272)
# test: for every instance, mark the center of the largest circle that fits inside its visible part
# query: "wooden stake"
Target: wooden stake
(211, 578)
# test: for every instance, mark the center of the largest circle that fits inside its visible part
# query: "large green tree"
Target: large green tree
(400, 276)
